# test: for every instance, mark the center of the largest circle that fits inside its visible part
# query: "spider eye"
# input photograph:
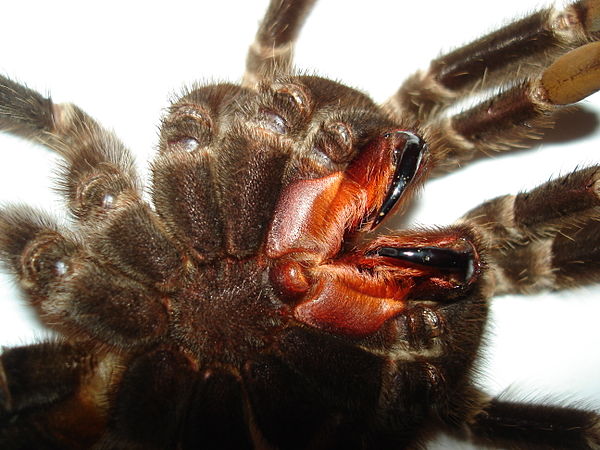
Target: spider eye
(407, 157)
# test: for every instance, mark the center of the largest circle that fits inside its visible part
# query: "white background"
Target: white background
(122, 61)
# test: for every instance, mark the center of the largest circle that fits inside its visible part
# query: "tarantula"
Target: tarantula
(261, 302)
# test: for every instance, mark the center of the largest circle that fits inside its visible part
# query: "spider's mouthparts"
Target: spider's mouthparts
(440, 259)
(407, 156)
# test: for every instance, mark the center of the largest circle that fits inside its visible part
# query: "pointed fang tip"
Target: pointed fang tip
(442, 259)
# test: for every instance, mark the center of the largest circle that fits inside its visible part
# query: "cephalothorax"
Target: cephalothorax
(259, 303)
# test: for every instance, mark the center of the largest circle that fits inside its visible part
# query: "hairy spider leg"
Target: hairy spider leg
(543, 239)
(271, 54)
(521, 50)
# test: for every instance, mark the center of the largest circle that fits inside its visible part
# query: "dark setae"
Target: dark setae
(261, 301)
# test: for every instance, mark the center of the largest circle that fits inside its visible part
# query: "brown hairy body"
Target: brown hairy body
(227, 293)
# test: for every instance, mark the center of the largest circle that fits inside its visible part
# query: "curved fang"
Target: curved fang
(442, 259)
(407, 160)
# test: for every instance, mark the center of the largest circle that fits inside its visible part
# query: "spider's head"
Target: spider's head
(298, 180)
